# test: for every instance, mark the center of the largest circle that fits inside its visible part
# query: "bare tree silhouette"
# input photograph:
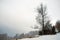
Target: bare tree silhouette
(42, 16)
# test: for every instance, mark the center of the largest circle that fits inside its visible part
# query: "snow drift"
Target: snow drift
(44, 37)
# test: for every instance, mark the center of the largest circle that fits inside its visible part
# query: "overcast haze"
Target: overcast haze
(17, 16)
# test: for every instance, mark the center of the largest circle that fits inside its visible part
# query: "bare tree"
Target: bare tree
(42, 16)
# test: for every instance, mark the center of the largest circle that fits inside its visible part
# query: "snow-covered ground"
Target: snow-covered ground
(45, 37)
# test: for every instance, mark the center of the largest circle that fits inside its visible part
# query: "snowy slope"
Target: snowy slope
(45, 37)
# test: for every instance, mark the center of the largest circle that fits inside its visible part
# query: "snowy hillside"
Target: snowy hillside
(45, 37)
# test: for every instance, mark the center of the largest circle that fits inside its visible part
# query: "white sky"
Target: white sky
(19, 15)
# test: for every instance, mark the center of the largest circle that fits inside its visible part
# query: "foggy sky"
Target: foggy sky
(17, 16)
